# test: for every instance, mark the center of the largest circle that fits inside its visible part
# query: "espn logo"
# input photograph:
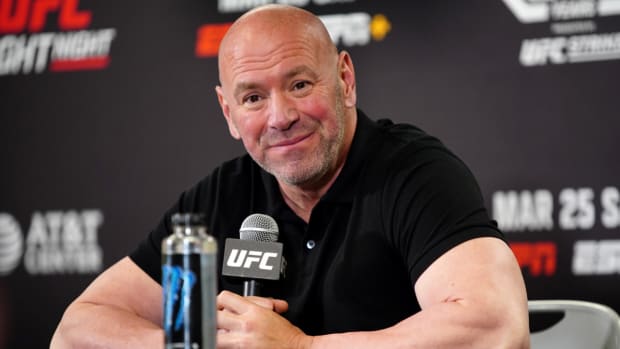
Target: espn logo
(539, 257)
(252, 259)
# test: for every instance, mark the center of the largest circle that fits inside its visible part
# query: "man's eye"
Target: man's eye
(300, 85)
(251, 99)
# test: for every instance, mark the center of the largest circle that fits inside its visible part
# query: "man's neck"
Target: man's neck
(303, 199)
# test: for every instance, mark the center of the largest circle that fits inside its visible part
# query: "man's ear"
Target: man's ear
(226, 111)
(346, 74)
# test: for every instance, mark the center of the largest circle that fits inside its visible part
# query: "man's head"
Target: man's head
(287, 94)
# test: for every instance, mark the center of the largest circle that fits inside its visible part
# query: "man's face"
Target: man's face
(283, 98)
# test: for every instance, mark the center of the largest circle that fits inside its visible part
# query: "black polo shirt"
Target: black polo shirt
(401, 201)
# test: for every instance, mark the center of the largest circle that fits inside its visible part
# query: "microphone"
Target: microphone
(257, 227)
(256, 255)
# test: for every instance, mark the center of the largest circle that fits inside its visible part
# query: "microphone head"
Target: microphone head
(259, 227)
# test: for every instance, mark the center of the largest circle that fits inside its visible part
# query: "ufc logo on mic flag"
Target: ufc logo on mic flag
(252, 259)
(244, 259)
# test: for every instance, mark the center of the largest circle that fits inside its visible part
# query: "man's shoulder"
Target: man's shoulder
(404, 143)
(405, 133)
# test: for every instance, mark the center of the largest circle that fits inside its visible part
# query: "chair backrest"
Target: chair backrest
(581, 325)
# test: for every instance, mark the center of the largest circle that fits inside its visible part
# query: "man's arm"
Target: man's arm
(471, 297)
(122, 308)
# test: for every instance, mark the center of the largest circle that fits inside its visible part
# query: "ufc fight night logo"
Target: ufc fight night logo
(28, 44)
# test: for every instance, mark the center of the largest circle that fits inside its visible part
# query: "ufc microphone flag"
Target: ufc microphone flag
(252, 259)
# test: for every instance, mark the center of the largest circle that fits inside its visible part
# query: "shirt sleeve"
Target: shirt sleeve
(432, 203)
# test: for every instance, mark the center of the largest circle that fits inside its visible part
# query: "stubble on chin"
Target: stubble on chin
(300, 169)
(307, 169)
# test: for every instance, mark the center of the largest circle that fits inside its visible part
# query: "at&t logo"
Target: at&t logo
(57, 242)
(11, 244)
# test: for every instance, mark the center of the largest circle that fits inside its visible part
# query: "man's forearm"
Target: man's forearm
(447, 325)
(91, 326)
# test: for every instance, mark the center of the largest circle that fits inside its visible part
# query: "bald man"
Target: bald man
(387, 240)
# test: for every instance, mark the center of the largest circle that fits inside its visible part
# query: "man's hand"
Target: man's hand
(255, 323)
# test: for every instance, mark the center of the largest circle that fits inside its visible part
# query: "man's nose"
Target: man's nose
(282, 112)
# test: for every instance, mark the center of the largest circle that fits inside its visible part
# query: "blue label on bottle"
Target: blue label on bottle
(182, 301)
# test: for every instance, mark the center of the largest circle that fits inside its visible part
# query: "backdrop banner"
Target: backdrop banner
(109, 112)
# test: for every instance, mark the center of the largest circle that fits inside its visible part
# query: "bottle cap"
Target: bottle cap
(188, 219)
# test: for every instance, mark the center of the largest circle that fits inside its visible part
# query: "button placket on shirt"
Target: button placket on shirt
(315, 225)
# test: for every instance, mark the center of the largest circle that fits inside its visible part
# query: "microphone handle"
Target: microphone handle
(251, 288)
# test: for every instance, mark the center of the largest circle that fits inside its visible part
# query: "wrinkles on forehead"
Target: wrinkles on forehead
(240, 60)
(265, 36)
